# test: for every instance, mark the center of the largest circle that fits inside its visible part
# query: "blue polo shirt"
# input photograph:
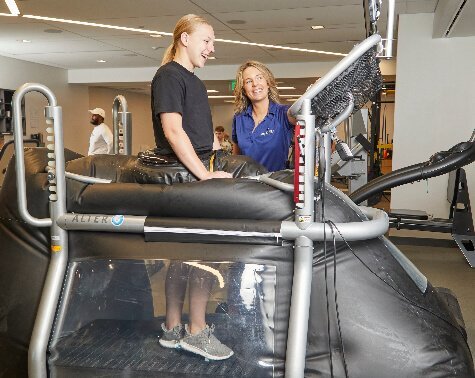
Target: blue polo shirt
(269, 143)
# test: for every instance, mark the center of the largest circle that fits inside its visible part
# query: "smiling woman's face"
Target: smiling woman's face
(200, 45)
(255, 84)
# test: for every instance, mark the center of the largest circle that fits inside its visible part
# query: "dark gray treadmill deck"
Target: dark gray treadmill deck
(110, 348)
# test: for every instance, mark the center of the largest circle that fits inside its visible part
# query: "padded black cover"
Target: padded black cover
(237, 198)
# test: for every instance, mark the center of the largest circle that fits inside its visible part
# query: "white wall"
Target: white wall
(223, 116)
(73, 99)
(435, 107)
(210, 72)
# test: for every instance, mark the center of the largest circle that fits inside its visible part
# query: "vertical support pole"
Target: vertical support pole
(59, 249)
(299, 309)
(122, 127)
(327, 144)
(303, 253)
(305, 214)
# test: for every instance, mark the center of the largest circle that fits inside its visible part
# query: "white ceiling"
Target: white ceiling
(282, 22)
(277, 22)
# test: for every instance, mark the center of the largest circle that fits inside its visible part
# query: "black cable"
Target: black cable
(327, 300)
(340, 335)
(321, 186)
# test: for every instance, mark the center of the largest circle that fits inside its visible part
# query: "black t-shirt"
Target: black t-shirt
(177, 90)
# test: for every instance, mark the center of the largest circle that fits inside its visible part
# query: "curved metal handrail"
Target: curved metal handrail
(57, 207)
(122, 128)
(5, 146)
(19, 154)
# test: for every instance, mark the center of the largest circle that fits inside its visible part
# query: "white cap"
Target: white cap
(98, 111)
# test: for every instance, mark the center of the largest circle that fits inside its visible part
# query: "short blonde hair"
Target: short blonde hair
(241, 101)
(186, 24)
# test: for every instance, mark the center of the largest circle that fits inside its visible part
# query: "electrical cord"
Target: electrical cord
(340, 335)
(321, 188)
(321, 194)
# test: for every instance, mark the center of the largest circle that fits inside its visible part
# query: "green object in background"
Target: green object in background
(232, 85)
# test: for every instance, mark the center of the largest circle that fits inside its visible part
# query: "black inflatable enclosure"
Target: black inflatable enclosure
(373, 314)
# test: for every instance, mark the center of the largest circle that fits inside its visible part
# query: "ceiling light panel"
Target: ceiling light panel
(118, 9)
(12, 7)
(95, 24)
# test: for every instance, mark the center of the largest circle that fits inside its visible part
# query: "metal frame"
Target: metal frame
(122, 126)
(57, 207)
(305, 230)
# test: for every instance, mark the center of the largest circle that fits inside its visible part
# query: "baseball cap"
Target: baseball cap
(98, 111)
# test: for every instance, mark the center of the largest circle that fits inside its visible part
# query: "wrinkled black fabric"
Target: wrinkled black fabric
(151, 168)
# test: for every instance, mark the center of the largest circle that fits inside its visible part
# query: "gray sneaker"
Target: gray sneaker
(171, 337)
(205, 344)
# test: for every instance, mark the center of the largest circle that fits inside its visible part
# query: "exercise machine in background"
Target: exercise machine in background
(459, 222)
(122, 126)
(6, 152)
(353, 168)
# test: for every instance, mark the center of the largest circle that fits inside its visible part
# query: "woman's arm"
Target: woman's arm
(181, 145)
(234, 138)
(291, 118)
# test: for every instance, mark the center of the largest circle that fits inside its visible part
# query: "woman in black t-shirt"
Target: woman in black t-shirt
(180, 110)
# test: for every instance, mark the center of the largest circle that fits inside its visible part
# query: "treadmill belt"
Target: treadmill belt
(131, 346)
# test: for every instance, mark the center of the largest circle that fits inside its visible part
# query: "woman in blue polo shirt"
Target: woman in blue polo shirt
(262, 127)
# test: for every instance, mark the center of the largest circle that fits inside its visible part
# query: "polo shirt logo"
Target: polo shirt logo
(267, 132)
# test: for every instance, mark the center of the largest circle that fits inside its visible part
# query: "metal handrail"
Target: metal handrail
(122, 128)
(57, 207)
(4, 147)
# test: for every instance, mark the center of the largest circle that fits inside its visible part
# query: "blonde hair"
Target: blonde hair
(241, 101)
(186, 24)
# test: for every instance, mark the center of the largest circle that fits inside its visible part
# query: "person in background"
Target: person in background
(262, 127)
(183, 127)
(101, 140)
(224, 142)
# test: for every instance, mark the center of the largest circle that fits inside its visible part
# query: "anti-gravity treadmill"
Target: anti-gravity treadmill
(306, 285)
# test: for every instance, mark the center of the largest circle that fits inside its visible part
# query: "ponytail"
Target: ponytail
(169, 54)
